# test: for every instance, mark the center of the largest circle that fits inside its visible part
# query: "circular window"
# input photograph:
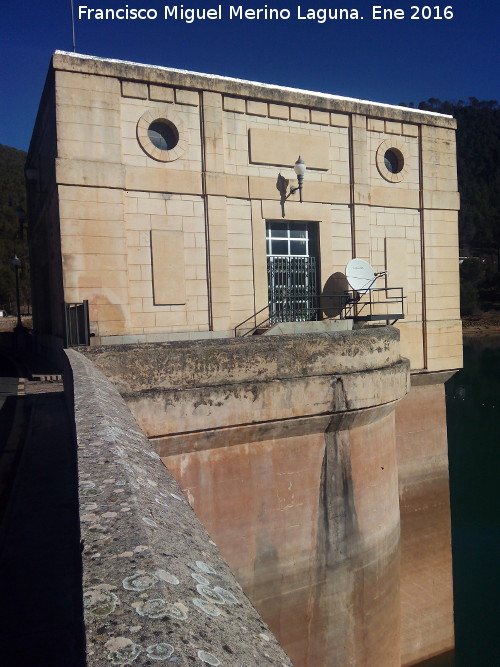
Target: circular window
(163, 135)
(160, 134)
(392, 160)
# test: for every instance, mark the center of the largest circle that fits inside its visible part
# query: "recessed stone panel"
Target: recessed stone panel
(235, 104)
(283, 149)
(167, 251)
(161, 93)
(135, 89)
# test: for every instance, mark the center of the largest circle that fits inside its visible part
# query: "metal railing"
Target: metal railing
(76, 324)
(383, 303)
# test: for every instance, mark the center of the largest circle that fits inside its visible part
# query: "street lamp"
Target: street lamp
(16, 263)
(300, 170)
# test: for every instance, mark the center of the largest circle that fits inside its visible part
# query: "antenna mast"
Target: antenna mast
(73, 26)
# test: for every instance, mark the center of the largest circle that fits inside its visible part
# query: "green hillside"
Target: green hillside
(12, 240)
(478, 166)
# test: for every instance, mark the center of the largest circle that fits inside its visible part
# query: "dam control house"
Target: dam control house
(201, 239)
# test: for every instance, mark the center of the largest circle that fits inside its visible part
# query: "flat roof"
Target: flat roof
(76, 62)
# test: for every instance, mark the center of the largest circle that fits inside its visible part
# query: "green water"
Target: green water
(473, 410)
(445, 660)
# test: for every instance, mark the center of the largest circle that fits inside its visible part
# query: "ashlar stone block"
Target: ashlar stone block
(188, 97)
(300, 114)
(135, 89)
(235, 104)
(161, 93)
(281, 111)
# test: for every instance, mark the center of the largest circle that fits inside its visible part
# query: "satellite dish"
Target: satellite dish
(335, 295)
(361, 275)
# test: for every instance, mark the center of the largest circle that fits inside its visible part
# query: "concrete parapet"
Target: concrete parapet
(70, 62)
(155, 586)
(183, 365)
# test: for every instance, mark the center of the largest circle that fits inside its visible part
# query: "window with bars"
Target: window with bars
(292, 270)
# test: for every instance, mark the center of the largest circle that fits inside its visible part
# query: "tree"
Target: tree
(12, 239)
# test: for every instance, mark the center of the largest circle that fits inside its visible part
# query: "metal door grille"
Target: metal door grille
(76, 321)
(292, 289)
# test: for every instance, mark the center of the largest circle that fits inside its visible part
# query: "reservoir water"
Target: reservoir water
(473, 409)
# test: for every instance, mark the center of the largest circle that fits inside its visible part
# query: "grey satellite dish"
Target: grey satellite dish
(335, 295)
(361, 276)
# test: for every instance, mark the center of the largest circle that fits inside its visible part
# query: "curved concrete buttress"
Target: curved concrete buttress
(360, 546)
(292, 469)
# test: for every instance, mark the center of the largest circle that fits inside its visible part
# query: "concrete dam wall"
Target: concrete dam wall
(319, 475)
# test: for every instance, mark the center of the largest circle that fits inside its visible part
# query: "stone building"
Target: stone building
(163, 199)
(167, 243)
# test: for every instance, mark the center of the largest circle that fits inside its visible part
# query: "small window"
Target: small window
(393, 161)
(163, 135)
(287, 239)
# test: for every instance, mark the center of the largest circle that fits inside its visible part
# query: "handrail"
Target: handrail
(348, 305)
(254, 316)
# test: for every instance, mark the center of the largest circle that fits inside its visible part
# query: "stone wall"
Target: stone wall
(156, 589)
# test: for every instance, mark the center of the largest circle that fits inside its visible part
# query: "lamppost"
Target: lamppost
(16, 263)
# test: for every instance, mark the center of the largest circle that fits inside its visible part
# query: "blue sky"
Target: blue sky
(388, 61)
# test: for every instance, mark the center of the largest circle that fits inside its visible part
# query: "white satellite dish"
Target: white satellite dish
(360, 275)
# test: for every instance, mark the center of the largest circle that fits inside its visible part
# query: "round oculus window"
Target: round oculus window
(163, 135)
(393, 160)
(160, 132)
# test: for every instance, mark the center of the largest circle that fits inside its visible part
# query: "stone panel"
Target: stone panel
(161, 93)
(271, 210)
(167, 250)
(156, 180)
(339, 120)
(273, 148)
(300, 114)
(320, 117)
(236, 104)
(87, 173)
(392, 197)
(279, 111)
(255, 108)
(397, 263)
(189, 97)
(135, 89)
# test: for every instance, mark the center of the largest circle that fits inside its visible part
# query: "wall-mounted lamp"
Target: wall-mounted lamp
(300, 170)
(282, 184)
